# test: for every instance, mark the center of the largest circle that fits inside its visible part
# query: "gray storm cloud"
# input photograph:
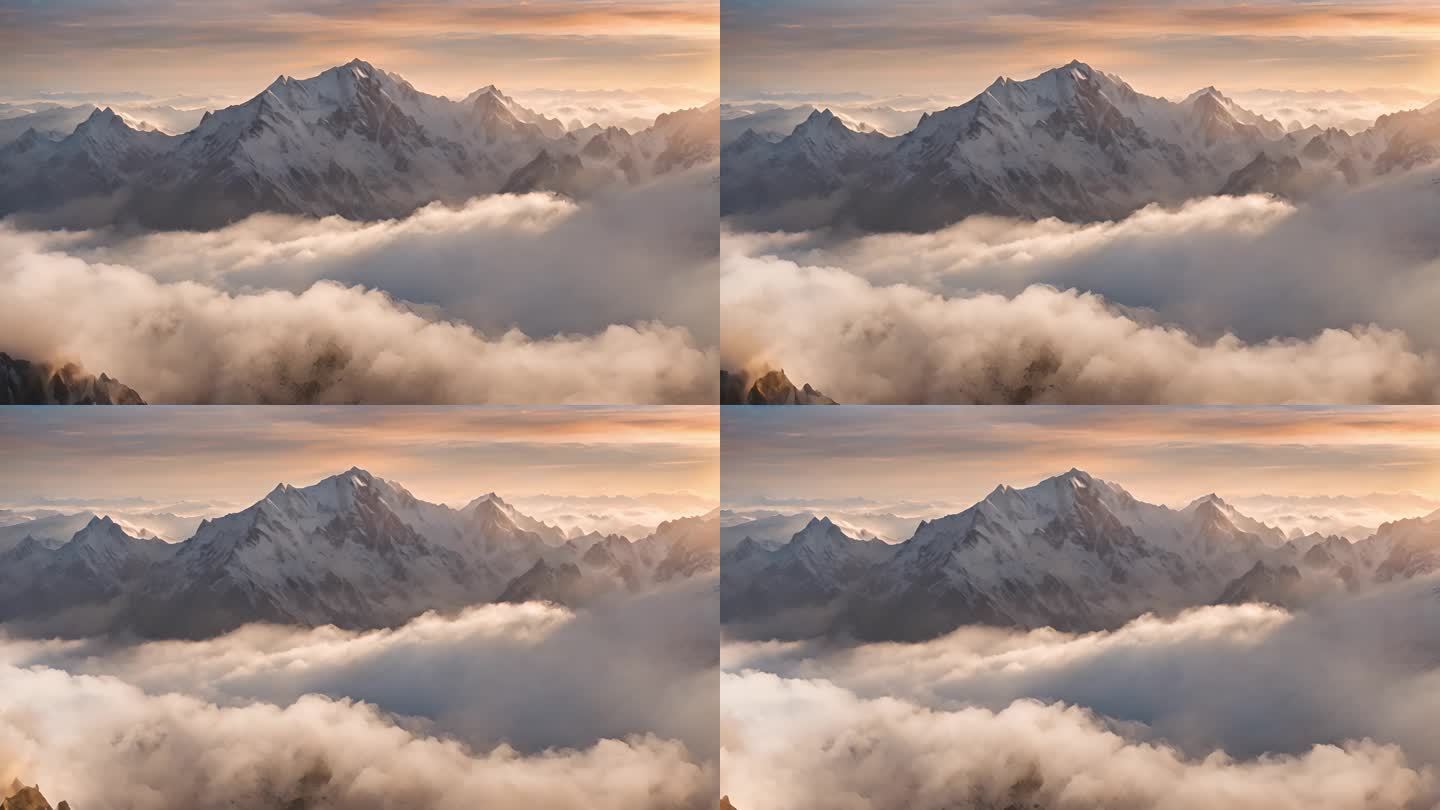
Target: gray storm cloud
(1246, 706)
(1222, 300)
(486, 708)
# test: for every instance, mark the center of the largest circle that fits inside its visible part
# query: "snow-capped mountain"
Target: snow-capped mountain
(1072, 552)
(355, 141)
(1074, 143)
(352, 550)
(50, 123)
(772, 529)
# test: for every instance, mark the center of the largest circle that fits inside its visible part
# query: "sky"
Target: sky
(234, 48)
(956, 455)
(236, 455)
(1162, 47)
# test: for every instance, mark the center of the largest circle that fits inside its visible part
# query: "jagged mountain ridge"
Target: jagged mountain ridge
(23, 382)
(1072, 552)
(771, 388)
(1073, 143)
(353, 550)
(354, 141)
(27, 797)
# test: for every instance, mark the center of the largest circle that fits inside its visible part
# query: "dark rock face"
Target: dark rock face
(1265, 175)
(22, 797)
(771, 388)
(558, 174)
(1274, 585)
(25, 383)
(561, 584)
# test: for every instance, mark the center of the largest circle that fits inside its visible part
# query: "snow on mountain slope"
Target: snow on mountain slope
(51, 124)
(100, 158)
(55, 530)
(1072, 552)
(76, 579)
(1073, 143)
(808, 575)
(774, 529)
(355, 141)
(352, 550)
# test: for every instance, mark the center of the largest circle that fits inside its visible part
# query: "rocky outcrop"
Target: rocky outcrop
(771, 388)
(23, 797)
(26, 383)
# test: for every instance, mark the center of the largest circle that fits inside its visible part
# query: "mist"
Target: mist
(510, 299)
(1237, 706)
(1223, 300)
(483, 708)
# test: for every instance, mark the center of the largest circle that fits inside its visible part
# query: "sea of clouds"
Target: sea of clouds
(516, 299)
(503, 706)
(1223, 300)
(1236, 706)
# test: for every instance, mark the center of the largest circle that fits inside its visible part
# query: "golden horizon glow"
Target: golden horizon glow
(228, 49)
(956, 455)
(920, 47)
(234, 455)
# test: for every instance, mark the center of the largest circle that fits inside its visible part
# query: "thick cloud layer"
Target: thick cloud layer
(188, 342)
(799, 744)
(859, 342)
(103, 743)
(507, 299)
(1245, 706)
(1223, 300)
(500, 706)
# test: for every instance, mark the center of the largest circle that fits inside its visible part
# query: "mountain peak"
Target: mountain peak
(1076, 71)
(104, 115)
(1211, 499)
(360, 69)
(818, 522)
(281, 490)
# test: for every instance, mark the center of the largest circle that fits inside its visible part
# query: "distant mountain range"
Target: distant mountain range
(1073, 143)
(353, 550)
(354, 141)
(1072, 552)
